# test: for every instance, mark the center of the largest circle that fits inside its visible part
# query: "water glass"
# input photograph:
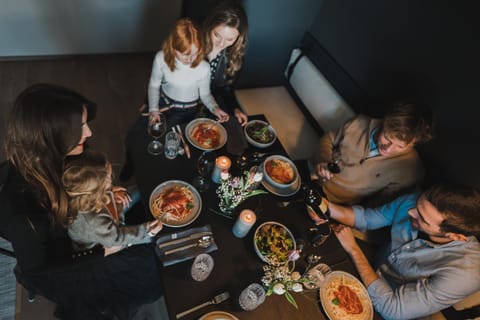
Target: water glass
(251, 297)
(172, 143)
(202, 267)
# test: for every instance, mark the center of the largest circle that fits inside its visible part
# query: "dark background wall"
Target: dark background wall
(422, 49)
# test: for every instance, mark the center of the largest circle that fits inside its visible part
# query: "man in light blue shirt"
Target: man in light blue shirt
(433, 259)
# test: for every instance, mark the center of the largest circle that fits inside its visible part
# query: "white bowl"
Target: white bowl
(277, 184)
(278, 225)
(254, 142)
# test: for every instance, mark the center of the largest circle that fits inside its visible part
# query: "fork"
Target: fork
(216, 300)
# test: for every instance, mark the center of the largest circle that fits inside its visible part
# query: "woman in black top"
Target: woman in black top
(49, 123)
(225, 36)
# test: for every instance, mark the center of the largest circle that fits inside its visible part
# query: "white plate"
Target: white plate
(282, 192)
(332, 281)
(212, 125)
(218, 315)
(257, 250)
(197, 203)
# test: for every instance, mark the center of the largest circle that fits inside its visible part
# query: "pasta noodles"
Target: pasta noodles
(206, 135)
(344, 297)
(174, 204)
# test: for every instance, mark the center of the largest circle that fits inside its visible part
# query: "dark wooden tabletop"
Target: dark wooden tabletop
(236, 263)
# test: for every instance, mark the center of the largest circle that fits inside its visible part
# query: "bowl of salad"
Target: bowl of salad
(273, 242)
(260, 134)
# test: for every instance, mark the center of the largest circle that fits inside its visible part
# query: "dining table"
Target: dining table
(236, 264)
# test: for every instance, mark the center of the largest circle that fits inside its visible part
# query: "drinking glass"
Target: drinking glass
(156, 129)
(202, 267)
(251, 297)
(172, 142)
(205, 164)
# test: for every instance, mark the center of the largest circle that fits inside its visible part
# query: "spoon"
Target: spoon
(203, 242)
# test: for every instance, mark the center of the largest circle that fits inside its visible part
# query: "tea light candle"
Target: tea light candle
(244, 223)
(222, 164)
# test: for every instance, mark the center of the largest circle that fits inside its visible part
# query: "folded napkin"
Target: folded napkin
(163, 245)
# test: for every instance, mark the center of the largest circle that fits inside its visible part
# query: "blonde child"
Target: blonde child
(180, 77)
(96, 208)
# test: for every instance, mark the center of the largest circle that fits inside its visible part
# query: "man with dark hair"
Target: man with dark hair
(374, 157)
(433, 259)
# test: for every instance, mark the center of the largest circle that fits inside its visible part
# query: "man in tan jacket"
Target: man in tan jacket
(369, 156)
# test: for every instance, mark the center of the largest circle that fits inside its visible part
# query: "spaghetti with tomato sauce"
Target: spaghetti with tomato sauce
(206, 135)
(174, 204)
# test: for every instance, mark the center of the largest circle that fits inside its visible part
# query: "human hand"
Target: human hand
(154, 116)
(241, 117)
(111, 250)
(154, 227)
(346, 238)
(221, 115)
(323, 172)
(121, 196)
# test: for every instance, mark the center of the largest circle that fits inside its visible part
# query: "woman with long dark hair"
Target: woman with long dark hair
(48, 125)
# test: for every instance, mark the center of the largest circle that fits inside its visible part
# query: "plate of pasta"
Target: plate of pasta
(344, 297)
(206, 134)
(176, 203)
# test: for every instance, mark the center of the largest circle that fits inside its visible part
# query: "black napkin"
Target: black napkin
(236, 141)
(179, 256)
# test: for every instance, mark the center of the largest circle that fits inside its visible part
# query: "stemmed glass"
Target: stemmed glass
(205, 164)
(156, 129)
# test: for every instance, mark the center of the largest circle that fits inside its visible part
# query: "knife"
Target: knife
(185, 145)
(190, 237)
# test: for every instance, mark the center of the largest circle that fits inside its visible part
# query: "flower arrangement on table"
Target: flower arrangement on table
(233, 190)
(280, 278)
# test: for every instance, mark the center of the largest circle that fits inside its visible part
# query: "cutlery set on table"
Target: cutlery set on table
(184, 245)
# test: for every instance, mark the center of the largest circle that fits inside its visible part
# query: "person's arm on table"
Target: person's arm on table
(347, 240)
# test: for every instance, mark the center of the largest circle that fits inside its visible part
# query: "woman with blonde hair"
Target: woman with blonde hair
(96, 209)
(180, 78)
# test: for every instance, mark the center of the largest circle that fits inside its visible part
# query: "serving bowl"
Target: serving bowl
(273, 239)
(260, 134)
(279, 172)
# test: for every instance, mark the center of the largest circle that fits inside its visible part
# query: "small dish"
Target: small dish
(280, 172)
(260, 134)
(276, 233)
(282, 192)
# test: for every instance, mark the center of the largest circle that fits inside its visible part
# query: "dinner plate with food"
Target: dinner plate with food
(206, 134)
(176, 203)
(260, 134)
(273, 239)
(344, 297)
(280, 176)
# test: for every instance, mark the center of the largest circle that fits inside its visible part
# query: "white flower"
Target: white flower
(224, 175)
(279, 288)
(297, 287)
(258, 177)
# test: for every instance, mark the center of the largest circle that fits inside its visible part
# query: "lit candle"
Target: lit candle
(222, 164)
(244, 223)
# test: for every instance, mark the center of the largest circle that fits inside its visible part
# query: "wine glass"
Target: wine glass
(205, 164)
(156, 129)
